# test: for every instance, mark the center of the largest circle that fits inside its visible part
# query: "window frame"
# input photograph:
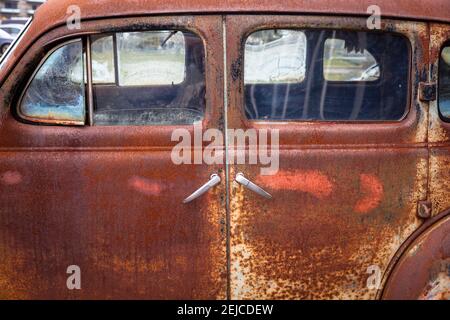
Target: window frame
(408, 104)
(117, 59)
(445, 119)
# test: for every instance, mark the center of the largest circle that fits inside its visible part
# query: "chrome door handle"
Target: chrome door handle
(213, 181)
(241, 179)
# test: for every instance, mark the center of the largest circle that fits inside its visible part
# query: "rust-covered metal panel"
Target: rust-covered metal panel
(439, 130)
(117, 215)
(427, 10)
(423, 272)
(440, 179)
(345, 197)
(334, 214)
(109, 199)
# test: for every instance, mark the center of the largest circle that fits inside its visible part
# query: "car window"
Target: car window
(103, 59)
(347, 76)
(56, 92)
(151, 58)
(138, 78)
(275, 56)
(148, 78)
(341, 63)
(444, 83)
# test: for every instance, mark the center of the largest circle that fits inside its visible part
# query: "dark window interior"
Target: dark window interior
(318, 99)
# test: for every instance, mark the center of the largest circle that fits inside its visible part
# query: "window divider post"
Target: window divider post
(90, 111)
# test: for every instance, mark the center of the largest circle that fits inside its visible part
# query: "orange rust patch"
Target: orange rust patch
(11, 178)
(372, 191)
(313, 182)
(145, 186)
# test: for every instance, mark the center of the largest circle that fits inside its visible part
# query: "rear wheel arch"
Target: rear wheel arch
(421, 267)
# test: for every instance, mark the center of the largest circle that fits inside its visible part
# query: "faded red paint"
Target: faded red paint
(10, 178)
(372, 190)
(313, 182)
(145, 186)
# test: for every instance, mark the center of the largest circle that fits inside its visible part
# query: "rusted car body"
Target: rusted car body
(350, 198)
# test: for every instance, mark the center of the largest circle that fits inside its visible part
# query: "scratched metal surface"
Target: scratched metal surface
(439, 131)
(423, 269)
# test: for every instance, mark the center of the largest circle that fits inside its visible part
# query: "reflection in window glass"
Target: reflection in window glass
(344, 63)
(273, 56)
(56, 93)
(161, 78)
(351, 60)
(151, 58)
(102, 59)
(444, 83)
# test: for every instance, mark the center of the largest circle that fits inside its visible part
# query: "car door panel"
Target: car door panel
(110, 199)
(344, 198)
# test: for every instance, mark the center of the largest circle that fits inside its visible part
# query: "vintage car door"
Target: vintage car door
(352, 152)
(98, 194)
